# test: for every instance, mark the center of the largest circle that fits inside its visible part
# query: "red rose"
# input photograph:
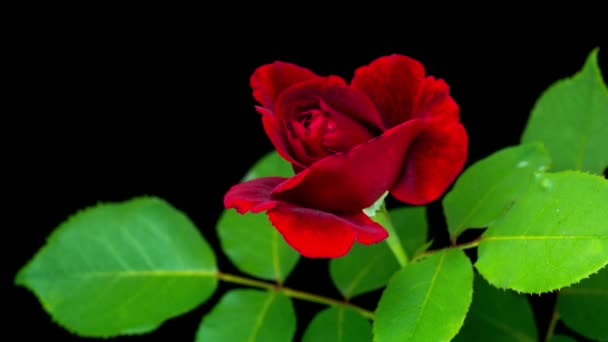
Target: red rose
(392, 129)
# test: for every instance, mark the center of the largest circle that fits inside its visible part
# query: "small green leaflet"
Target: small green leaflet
(367, 268)
(121, 268)
(427, 300)
(490, 186)
(363, 269)
(255, 246)
(571, 120)
(338, 324)
(584, 307)
(555, 235)
(250, 241)
(498, 316)
(249, 315)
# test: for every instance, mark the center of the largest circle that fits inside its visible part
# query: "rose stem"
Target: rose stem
(463, 246)
(231, 278)
(393, 242)
(552, 323)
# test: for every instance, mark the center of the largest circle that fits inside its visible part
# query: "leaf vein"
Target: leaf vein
(544, 237)
(140, 249)
(427, 295)
(359, 276)
(276, 263)
(163, 236)
(340, 324)
(260, 319)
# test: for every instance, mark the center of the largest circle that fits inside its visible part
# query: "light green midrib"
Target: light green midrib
(126, 274)
(515, 333)
(276, 262)
(341, 325)
(428, 293)
(544, 237)
(260, 319)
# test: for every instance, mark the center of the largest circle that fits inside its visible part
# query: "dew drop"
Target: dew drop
(522, 163)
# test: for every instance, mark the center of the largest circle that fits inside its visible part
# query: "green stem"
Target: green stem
(231, 278)
(466, 245)
(325, 300)
(393, 241)
(552, 324)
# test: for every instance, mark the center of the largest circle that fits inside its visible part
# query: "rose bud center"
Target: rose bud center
(325, 131)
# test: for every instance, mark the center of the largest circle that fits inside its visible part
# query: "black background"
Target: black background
(114, 102)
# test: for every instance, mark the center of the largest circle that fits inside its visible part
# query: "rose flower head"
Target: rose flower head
(391, 129)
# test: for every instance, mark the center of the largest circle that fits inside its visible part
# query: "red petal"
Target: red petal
(355, 104)
(253, 195)
(305, 92)
(368, 231)
(391, 83)
(434, 100)
(343, 132)
(352, 181)
(288, 103)
(318, 234)
(277, 136)
(434, 160)
(268, 81)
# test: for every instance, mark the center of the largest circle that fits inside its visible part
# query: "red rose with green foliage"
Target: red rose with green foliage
(391, 129)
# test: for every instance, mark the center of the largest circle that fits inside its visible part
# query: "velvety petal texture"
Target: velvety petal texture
(253, 195)
(391, 83)
(269, 81)
(314, 233)
(434, 161)
(278, 137)
(391, 129)
(354, 180)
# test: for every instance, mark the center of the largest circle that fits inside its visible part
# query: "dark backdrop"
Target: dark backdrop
(118, 102)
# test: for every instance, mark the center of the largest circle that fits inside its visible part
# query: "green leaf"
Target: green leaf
(555, 235)
(367, 268)
(571, 119)
(255, 247)
(338, 325)
(250, 241)
(412, 227)
(497, 316)
(490, 186)
(561, 338)
(363, 269)
(249, 315)
(584, 307)
(271, 164)
(122, 268)
(427, 300)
